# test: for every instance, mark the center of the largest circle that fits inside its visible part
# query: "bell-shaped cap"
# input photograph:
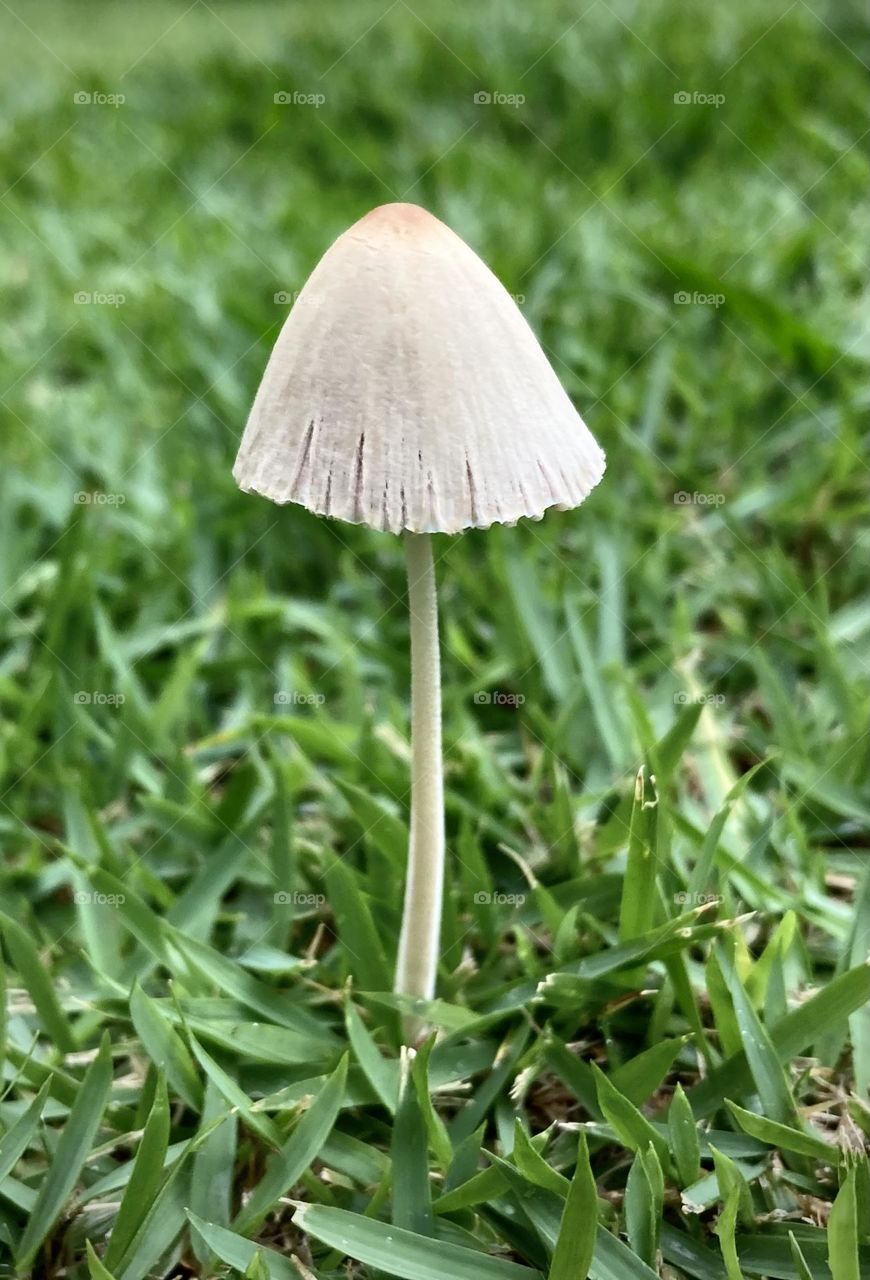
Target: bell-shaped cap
(406, 391)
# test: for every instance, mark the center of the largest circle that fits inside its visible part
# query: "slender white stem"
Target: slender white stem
(421, 919)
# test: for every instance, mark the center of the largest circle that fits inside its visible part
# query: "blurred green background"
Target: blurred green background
(206, 695)
(722, 556)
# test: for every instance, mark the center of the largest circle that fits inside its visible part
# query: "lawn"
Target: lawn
(651, 1041)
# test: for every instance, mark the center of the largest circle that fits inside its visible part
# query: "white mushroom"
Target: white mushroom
(407, 392)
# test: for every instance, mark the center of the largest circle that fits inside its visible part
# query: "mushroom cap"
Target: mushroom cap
(407, 392)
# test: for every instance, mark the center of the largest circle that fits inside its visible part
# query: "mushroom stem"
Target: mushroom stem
(421, 918)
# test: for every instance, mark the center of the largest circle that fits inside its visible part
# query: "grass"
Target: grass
(653, 1007)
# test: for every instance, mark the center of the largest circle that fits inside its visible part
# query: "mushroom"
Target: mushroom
(406, 392)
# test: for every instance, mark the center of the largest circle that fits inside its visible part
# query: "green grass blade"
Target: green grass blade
(239, 1253)
(234, 1095)
(699, 879)
(784, 1137)
(285, 1167)
(26, 960)
(145, 1178)
(637, 911)
(402, 1253)
(642, 1214)
(211, 1174)
(231, 978)
(631, 1125)
(409, 1149)
(725, 1230)
(843, 1232)
(382, 1073)
(575, 1243)
(639, 1078)
(767, 1070)
(436, 1130)
(683, 1138)
(72, 1150)
(162, 1225)
(600, 698)
(97, 1269)
(17, 1137)
(165, 1047)
(358, 936)
(533, 1166)
(790, 1037)
(801, 1266)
